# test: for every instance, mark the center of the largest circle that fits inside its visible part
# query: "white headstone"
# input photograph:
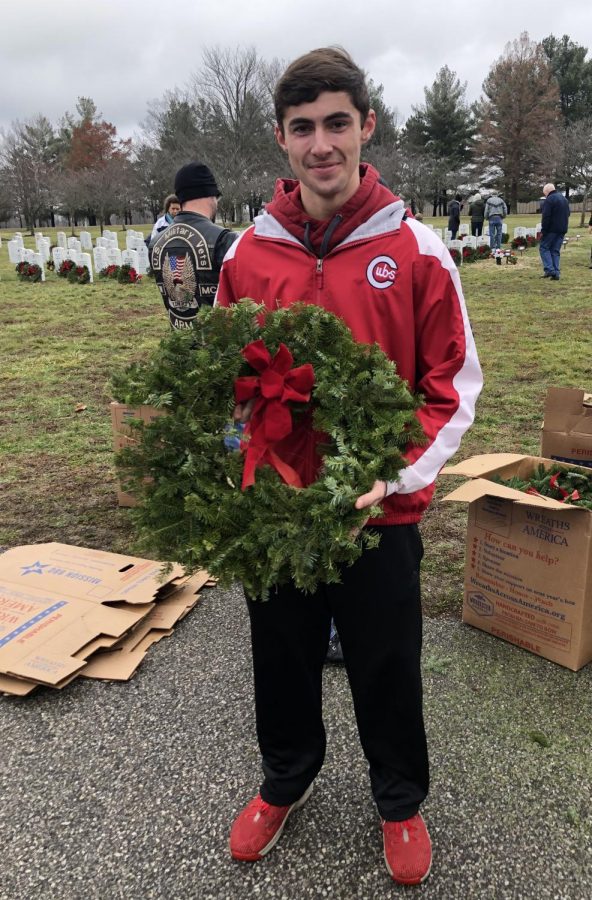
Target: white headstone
(44, 248)
(456, 245)
(74, 244)
(483, 239)
(463, 229)
(100, 258)
(85, 260)
(113, 256)
(19, 239)
(38, 261)
(470, 241)
(13, 251)
(74, 255)
(86, 240)
(62, 240)
(520, 231)
(504, 227)
(143, 259)
(134, 240)
(58, 255)
(130, 258)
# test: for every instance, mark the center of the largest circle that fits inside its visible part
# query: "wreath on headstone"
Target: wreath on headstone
(330, 416)
(27, 271)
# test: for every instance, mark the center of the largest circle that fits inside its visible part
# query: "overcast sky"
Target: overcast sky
(124, 53)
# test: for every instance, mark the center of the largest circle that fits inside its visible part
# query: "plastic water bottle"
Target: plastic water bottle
(233, 432)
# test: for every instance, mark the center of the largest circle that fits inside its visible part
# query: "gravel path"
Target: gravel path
(128, 790)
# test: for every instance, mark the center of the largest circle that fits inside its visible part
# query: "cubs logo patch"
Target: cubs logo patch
(381, 272)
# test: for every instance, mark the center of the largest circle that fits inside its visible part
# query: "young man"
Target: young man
(338, 238)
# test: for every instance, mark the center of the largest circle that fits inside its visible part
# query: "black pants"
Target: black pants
(377, 611)
(476, 228)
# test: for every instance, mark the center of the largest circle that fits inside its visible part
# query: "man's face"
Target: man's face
(174, 208)
(323, 140)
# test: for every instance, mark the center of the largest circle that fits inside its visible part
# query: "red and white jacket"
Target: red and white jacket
(394, 283)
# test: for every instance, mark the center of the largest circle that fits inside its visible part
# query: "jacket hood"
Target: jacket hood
(321, 235)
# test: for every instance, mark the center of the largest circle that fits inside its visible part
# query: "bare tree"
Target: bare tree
(520, 116)
(577, 159)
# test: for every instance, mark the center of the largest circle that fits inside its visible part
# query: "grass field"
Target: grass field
(59, 344)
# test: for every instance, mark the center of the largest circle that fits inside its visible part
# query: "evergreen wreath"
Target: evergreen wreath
(192, 508)
(571, 486)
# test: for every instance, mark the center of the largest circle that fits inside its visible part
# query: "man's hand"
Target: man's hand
(375, 495)
(242, 411)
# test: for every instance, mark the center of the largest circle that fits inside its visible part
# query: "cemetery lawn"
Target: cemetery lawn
(59, 344)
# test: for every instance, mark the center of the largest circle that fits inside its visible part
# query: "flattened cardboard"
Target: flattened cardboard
(57, 601)
(121, 662)
(528, 570)
(566, 434)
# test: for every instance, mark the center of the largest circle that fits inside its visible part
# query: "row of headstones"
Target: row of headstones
(519, 231)
(463, 231)
(106, 252)
(60, 255)
(469, 241)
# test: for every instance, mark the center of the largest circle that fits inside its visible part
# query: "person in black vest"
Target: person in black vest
(187, 257)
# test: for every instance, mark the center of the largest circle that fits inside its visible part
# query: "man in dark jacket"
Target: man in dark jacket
(187, 257)
(477, 214)
(554, 220)
(454, 208)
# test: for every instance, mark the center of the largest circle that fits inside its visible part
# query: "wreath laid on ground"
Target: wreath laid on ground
(67, 266)
(111, 271)
(28, 271)
(330, 416)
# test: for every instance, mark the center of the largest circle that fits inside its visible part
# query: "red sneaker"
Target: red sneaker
(258, 827)
(407, 850)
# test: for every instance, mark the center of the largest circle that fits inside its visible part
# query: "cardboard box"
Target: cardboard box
(567, 430)
(125, 436)
(528, 570)
(60, 604)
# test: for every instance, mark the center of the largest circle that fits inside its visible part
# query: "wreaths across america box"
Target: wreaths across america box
(528, 570)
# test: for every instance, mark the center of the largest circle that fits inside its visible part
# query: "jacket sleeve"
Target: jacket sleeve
(448, 374)
(226, 293)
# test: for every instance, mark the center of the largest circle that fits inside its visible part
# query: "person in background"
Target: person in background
(554, 225)
(336, 237)
(477, 214)
(454, 209)
(171, 208)
(495, 213)
(187, 256)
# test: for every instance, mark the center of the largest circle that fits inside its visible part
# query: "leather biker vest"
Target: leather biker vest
(186, 260)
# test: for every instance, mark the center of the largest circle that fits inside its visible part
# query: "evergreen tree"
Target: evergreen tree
(574, 76)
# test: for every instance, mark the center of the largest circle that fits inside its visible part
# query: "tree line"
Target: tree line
(532, 123)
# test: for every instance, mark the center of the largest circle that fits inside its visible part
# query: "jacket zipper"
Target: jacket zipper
(319, 278)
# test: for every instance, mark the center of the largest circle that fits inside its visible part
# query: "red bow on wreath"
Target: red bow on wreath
(276, 385)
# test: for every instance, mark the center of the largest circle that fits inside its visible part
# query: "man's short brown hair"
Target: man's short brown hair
(325, 69)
